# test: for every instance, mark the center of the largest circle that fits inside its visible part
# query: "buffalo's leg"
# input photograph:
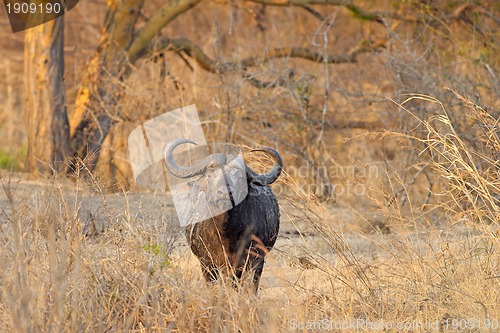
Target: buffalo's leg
(258, 267)
(211, 273)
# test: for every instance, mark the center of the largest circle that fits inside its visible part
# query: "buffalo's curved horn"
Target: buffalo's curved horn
(272, 175)
(191, 171)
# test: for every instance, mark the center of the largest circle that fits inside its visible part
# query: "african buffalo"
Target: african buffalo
(237, 240)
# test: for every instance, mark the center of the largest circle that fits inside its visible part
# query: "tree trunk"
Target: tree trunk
(96, 101)
(45, 103)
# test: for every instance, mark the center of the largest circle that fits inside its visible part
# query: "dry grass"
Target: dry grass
(418, 244)
(135, 274)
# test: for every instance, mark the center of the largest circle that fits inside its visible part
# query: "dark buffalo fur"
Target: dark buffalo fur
(237, 240)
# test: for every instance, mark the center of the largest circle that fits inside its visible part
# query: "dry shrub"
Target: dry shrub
(467, 162)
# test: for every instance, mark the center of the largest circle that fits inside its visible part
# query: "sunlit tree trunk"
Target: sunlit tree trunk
(96, 101)
(51, 139)
(95, 104)
(45, 103)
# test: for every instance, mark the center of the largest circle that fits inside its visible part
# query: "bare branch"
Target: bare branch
(196, 53)
(204, 61)
(262, 84)
(417, 18)
(354, 9)
(314, 13)
(174, 8)
(301, 3)
(374, 16)
(379, 17)
(164, 16)
(119, 24)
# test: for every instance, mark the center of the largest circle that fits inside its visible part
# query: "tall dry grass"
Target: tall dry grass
(467, 161)
(136, 274)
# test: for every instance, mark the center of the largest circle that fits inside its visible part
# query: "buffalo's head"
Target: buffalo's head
(218, 182)
(221, 160)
